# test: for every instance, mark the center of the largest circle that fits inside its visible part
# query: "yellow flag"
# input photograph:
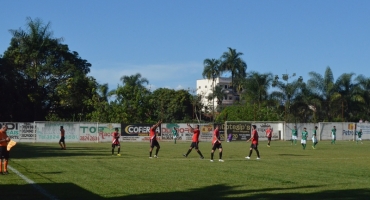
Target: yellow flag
(11, 144)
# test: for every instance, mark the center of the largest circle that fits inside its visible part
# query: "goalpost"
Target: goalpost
(241, 130)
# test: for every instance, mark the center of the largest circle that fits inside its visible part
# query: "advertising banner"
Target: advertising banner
(365, 128)
(50, 131)
(239, 130)
(12, 131)
(138, 132)
(206, 132)
(93, 132)
(26, 132)
(184, 133)
(262, 127)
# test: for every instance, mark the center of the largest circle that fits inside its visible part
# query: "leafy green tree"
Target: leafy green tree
(170, 105)
(132, 100)
(100, 102)
(249, 112)
(53, 77)
(14, 102)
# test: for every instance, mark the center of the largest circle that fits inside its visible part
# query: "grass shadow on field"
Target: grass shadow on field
(31, 191)
(290, 154)
(68, 191)
(24, 150)
(228, 192)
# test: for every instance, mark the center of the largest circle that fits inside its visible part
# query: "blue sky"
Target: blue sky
(166, 41)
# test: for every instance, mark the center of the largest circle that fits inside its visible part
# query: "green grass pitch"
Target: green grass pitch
(285, 171)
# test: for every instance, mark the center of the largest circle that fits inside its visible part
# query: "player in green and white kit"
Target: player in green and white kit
(294, 135)
(359, 134)
(304, 138)
(333, 135)
(314, 139)
(174, 132)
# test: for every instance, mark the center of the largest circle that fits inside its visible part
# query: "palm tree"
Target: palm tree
(288, 93)
(231, 61)
(306, 105)
(34, 41)
(212, 71)
(257, 86)
(218, 94)
(324, 88)
(363, 89)
(345, 96)
(134, 80)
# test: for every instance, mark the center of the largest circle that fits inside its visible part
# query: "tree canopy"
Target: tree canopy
(42, 79)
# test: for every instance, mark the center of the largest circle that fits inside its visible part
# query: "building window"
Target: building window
(230, 98)
(200, 87)
(205, 86)
(225, 86)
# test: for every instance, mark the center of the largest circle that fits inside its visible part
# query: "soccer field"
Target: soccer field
(285, 171)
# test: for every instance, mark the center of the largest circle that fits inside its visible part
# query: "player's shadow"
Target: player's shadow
(69, 191)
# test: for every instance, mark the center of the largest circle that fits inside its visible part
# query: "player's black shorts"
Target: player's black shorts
(4, 153)
(116, 145)
(194, 145)
(216, 146)
(269, 138)
(154, 143)
(62, 139)
(254, 146)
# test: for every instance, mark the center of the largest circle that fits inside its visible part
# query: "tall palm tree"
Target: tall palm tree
(212, 71)
(324, 88)
(345, 96)
(231, 61)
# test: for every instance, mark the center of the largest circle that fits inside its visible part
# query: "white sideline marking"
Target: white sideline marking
(39, 188)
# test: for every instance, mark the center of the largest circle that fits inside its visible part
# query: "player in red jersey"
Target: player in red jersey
(216, 143)
(269, 135)
(195, 141)
(153, 140)
(115, 142)
(62, 142)
(254, 145)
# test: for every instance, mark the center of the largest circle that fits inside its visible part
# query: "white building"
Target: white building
(205, 88)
